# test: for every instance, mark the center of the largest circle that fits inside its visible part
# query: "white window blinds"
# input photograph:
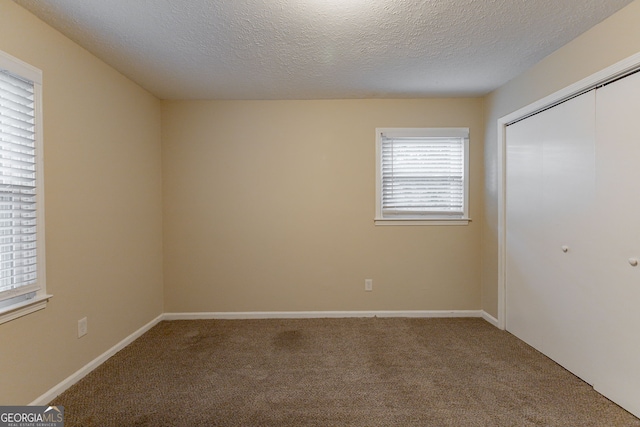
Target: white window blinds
(423, 173)
(18, 262)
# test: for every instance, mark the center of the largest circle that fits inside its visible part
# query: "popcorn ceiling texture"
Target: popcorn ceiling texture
(319, 49)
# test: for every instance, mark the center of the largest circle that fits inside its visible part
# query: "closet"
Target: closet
(573, 236)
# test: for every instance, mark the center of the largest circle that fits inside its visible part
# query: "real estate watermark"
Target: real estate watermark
(31, 416)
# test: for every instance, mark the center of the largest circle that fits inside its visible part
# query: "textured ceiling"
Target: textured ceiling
(315, 49)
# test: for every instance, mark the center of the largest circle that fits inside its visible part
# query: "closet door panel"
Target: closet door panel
(568, 139)
(618, 238)
(550, 187)
(524, 221)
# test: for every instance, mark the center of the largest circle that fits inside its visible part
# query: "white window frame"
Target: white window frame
(14, 308)
(426, 219)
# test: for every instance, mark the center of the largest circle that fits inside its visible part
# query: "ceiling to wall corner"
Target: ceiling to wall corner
(321, 49)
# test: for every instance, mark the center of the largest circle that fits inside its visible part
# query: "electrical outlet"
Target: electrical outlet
(368, 285)
(82, 327)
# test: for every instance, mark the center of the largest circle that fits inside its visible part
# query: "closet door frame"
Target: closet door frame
(615, 71)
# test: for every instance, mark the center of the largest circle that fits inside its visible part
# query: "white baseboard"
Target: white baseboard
(321, 314)
(489, 318)
(81, 373)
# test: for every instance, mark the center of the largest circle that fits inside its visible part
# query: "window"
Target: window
(22, 277)
(422, 176)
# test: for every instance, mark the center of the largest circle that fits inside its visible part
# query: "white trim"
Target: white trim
(81, 373)
(425, 132)
(502, 224)
(17, 66)
(489, 318)
(26, 307)
(41, 240)
(321, 314)
(439, 221)
(614, 71)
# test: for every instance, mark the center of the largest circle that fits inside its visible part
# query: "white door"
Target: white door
(617, 236)
(524, 212)
(550, 196)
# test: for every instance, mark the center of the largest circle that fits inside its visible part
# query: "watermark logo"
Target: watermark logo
(31, 416)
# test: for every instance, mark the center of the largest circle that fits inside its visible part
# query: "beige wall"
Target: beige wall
(605, 44)
(269, 206)
(103, 211)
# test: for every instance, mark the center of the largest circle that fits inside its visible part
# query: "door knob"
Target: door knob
(565, 248)
(633, 262)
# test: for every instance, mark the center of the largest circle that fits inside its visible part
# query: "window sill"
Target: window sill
(434, 221)
(22, 309)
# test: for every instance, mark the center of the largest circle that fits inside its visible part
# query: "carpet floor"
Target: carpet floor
(334, 372)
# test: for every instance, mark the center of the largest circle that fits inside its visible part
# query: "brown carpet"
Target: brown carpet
(334, 372)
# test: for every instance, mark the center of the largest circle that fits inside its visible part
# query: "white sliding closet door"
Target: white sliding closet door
(617, 234)
(525, 245)
(550, 188)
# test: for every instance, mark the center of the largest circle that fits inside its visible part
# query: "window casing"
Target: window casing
(22, 252)
(422, 176)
